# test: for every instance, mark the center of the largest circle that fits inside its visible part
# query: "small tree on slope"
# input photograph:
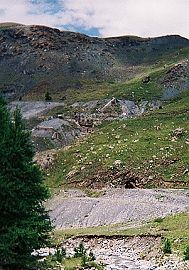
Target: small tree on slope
(24, 223)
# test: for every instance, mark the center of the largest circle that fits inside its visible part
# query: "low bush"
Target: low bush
(167, 247)
(186, 253)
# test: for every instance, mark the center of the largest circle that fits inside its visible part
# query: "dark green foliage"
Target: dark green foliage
(91, 256)
(24, 223)
(167, 247)
(48, 96)
(84, 261)
(80, 251)
(158, 220)
(186, 253)
(60, 254)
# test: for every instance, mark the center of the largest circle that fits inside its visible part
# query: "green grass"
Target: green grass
(144, 144)
(68, 263)
(136, 90)
(72, 263)
(133, 89)
(109, 230)
(174, 227)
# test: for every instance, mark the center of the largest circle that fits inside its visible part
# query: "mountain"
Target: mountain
(117, 119)
(38, 59)
(101, 79)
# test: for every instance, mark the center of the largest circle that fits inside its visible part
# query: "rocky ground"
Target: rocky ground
(129, 208)
(74, 209)
(134, 253)
(56, 130)
(118, 253)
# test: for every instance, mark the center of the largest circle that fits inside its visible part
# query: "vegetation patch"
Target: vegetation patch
(154, 147)
(81, 259)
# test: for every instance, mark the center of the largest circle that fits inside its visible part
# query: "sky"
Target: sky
(104, 18)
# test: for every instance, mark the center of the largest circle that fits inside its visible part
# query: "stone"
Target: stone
(146, 79)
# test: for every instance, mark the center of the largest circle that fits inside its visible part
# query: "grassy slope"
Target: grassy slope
(133, 89)
(137, 143)
(94, 89)
(175, 228)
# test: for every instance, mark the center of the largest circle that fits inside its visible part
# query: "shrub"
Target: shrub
(158, 220)
(91, 256)
(167, 247)
(84, 261)
(186, 253)
(60, 254)
(80, 251)
(48, 96)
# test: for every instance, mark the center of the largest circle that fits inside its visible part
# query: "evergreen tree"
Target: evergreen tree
(48, 96)
(24, 222)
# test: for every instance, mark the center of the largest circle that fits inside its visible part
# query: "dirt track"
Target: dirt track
(75, 209)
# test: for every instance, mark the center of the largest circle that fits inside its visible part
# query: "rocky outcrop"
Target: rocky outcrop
(175, 80)
(59, 132)
(53, 130)
(114, 108)
(132, 253)
(47, 131)
(33, 109)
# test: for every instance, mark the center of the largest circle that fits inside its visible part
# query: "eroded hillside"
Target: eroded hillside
(71, 66)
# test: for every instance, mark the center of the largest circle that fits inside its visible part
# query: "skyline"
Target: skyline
(145, 18)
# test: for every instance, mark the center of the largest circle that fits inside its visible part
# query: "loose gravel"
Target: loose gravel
(75, 209)
(31, 109)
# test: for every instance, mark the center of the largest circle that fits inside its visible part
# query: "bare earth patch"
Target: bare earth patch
(32, 109)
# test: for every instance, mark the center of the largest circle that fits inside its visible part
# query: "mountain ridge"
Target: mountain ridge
(15, 24)
(37, 59)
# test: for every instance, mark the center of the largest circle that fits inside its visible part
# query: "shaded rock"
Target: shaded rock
(146, 79)
(178, 132)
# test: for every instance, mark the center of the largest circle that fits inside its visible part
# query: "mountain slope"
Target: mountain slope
(37, 59)
(148, 151)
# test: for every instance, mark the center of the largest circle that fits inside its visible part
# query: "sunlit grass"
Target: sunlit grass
(174, 227)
